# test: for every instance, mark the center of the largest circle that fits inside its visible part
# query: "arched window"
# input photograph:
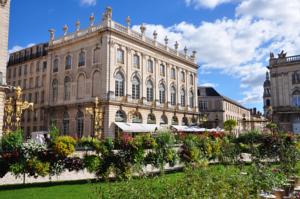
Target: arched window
(136, 117)
(296, 77)
(191, 79)
(162, 70)
(135, 88)
(120, 56)
(173, 73)
(136, 61)
(55, 65)
(184, 121)
(151, 119)
(191, 97)
(182, 76)
(96, 55)
(119, 85)
(79, 123)
(120, 116)
(268, 102)
(174, 120)
(173, 96)
(96, 84)
(81, 58)
(66, 123)
(182, 97)
(68, 64)
(296, 98)
(150, 66)
(81, 86)
(164, 120)
(149, 91)
(162, 93)
(67, 88)
(54, 90)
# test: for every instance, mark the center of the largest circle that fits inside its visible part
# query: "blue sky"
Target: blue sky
(233, 38)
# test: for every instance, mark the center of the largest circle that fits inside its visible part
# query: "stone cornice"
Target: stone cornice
(3, 2)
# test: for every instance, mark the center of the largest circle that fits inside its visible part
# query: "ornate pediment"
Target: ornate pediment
(3, 2)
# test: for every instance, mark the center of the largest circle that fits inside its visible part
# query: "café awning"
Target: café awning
(137, 127)
(194, 129)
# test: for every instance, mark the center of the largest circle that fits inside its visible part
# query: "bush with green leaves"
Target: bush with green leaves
(64, 146)
(37, 168)
(12, 141)
(91, 162)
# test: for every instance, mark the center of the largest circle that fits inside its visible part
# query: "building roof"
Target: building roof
(211, 92)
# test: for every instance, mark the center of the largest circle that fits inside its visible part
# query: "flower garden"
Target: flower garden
(214, 165)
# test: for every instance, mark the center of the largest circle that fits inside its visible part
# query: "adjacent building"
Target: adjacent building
(215, 109)
(136, 78)
(282, 92)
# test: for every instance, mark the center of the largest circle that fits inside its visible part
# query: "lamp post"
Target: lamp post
(97, 115)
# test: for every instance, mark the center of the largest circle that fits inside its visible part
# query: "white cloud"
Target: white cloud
(205, 3)
(209, 84)
(88, 2)
(17, 48)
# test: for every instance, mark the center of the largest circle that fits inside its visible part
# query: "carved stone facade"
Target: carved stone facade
(285, 91)
(136, 79)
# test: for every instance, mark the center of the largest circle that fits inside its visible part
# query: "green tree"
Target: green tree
(229, 125)
(272, 127)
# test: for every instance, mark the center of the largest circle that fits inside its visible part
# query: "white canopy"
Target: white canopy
(194, 129)
(137, 127)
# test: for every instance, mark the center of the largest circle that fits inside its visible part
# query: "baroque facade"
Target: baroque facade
(285, 91)
(4, 28)
(217, 108)
(136, 78)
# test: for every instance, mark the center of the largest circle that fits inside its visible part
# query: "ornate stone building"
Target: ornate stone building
(216, 109)
(136, 78)
(4, 28)
(285, 91)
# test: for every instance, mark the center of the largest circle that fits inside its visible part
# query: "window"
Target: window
(25, 69)
(68, 64)
(174, 120)
(296, 98)
(173, 96)
(55, 65)
(120, 56)
(31, 82)
(162, 70)
(119, 85)
(36, 99)
(31, 67)
(37, 80)
(67, 88)
(30, 97)
(96, 55)
(42, 97)
(162, 93)
(173, 73)
(151, 119)
(191, 99)
(135, 88)
(182, 97)
(37, 67)
(19, 83)
(136, 117)
(163, 119)
(182, 76)
(79, 124)
(203, 105)
(296, 77)
(184, 121)
(65, 123)
(149, 91)
(81, 58)
(15, 72)
(54, 90)
(20, 71)
(9, 73)
(150, 66)
(44, 66)
(120, 116)
(191, 79)
(24, 83)
(136, 61)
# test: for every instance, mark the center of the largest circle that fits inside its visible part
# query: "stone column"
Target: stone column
(4, 27)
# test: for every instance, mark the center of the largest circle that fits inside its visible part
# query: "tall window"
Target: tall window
(66, 123)
(191, 79)
(96, 55)
(68, 63)
(182, 76)
(296, 98)
(55, 65)
(203, 105)
(81, 58)
(119, 85)
(120, 116)
(150, 66)
(162, 93)
(174, 120)
(173, 73)
(191, 99)
(163, 119)
(136, 61)
(151, 119)
(296, 77)
(79, 124)
(173, 96)
(162, 70)
(135, 88)
(54, 90)
(120, 56)
(37, 69)
(67, 88)
(182, 97)
(149, 91)
(137, 117)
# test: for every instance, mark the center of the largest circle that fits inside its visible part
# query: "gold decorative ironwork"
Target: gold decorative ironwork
(97, 113)
(21, 106)
(8, 111)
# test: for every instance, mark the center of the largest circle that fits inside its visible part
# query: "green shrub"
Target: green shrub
(17, 169)
(37, 168)
(64, 145)
(91, 163)
(12, 141)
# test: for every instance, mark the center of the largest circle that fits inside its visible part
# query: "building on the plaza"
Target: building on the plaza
(257, 121)
(215, 109)
(136, 78)
(267, 96)
(4, 28)
(285, 91)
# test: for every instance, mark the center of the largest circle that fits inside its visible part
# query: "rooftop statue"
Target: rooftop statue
(282, 54)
